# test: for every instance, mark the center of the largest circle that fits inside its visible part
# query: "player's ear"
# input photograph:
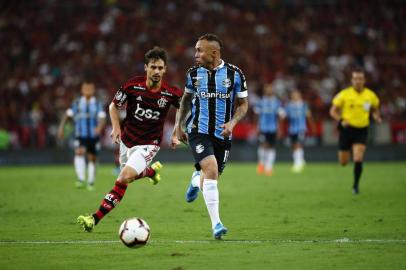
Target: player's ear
(145, 67)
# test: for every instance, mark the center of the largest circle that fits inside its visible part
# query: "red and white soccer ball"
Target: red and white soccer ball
(134, 232)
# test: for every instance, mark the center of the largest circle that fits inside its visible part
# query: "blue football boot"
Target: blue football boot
(219, 230)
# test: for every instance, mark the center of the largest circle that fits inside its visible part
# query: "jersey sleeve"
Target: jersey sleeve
(177, 98)
(100, 112)
(258, 107)
(375, 100)
(120, 97)
(70, 112)
(189, 88)
(241, 85)
(338, 100)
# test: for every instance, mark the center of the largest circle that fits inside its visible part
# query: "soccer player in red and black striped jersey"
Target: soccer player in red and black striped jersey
(147, 99)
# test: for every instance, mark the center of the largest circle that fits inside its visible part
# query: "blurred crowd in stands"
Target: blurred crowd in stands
(48, 46)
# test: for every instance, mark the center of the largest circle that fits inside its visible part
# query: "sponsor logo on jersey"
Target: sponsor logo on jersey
(199, 148)
(135, 87)
(166, 93)
(214, 95)
(141, 114)
(162, 102)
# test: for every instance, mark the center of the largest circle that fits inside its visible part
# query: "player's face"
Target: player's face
(205, 53)
(358, 80)
(155, 70)
(88, 89)
(296, 95)
(268, 90)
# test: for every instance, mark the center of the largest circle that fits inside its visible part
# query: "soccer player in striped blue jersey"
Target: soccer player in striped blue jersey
(215, 99)
(297, 114)
(89, 117)
(269, 110)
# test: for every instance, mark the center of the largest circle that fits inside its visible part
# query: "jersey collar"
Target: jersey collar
(219, 66)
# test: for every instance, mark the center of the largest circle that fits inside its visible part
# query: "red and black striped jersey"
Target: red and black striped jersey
(146, 110)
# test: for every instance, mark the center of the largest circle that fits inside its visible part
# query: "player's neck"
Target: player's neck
(359, 90)
(214, 65)
(153, 86)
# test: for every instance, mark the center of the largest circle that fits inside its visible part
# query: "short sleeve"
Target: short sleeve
(73, 109)
(338, 100)
(241, 85)
(120, 97)
(100, 112)
(177, 98)
(375, 100)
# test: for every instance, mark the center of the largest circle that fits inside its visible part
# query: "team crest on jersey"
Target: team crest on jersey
(199, 148)
(162, 102)
(196, 83)
(227, 83)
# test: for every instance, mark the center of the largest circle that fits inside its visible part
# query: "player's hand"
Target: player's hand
(60, 133)
(378, 119)
(116, 135)
(98, 131)
(181, 135)
(174, 141)
(227, 128)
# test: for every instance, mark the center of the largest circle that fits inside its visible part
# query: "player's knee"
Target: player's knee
(211, 173)
(343, 162)
(126, 176)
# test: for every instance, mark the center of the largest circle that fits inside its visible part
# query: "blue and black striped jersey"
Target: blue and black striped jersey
(296, 113)
(268, 110)
(86, 116)
(214, 97)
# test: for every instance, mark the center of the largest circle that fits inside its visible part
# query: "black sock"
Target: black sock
(357, 173)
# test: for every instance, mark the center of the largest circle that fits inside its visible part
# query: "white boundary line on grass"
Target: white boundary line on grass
(271, 241)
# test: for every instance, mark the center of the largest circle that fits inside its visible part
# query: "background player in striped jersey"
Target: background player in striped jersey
(351, 108)
(89, 120)
(297, 113)
(216, 99)
(269, 110)
(147, 101)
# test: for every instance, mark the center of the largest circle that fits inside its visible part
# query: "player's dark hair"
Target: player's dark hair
(155, 53)
(212, 37)
(359, 70)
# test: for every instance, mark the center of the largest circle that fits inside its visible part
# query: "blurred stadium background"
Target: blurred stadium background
(48, 46)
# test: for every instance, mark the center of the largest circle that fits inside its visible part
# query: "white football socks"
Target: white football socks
(298, 158)
(196, 179)
(91, 172)
(261, 155)
(80, 167)
(211, 198)
(270, 155)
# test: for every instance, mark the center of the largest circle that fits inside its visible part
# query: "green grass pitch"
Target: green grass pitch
(287, 221)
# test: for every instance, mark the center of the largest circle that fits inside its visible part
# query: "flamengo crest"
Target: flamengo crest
(162, 102)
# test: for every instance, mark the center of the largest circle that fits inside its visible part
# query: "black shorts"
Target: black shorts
(91, 145)
(351, 135)
(267, 137)
(297, 138)
(203, 145)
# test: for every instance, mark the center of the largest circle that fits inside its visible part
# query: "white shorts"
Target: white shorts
(137, 157)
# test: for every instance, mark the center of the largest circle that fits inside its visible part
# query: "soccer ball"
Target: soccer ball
(134, 232)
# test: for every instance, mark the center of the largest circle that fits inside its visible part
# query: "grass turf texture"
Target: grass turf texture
(295, 219)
